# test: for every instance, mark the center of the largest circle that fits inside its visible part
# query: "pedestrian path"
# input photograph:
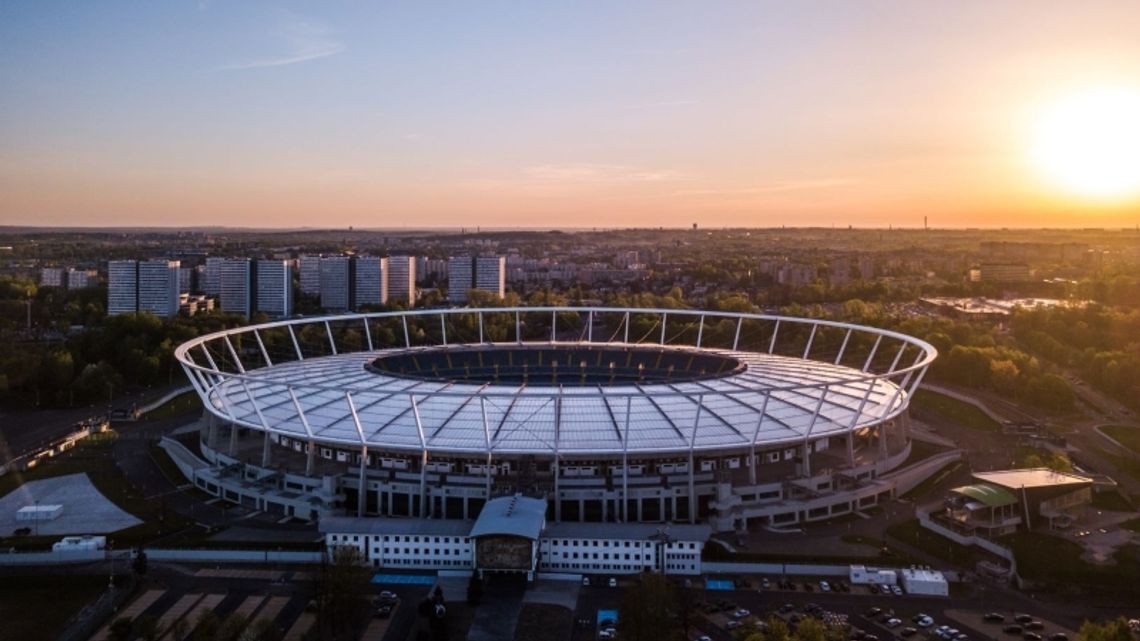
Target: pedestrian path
(207, 604)
(272, 607)
(136, 607)
(178, 610)
(261, 575)
(248, 606)
(300, 627)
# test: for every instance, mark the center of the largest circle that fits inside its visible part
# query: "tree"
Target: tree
(474, 589)
(120, 630)
(343, 584)
(648, 611)
(147, 627)
(1114, 630)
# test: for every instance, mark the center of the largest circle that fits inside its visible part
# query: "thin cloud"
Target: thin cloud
(664, 103)
(598, 173)
(306, 41)
(772, 188)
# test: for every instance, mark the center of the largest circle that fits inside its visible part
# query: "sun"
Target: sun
(1089, 143)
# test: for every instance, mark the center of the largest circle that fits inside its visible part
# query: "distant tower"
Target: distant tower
(924, 225)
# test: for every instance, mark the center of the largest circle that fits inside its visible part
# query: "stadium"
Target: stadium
(619, 415)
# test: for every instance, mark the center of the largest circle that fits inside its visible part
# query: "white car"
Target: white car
(894, 623)
(703, 637)
(896, 590)
(741, 613)
(612, 582)
(924, 621)
(732, 625)
(824, 586)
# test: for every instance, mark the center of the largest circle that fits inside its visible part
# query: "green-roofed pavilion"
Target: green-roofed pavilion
(988, 495)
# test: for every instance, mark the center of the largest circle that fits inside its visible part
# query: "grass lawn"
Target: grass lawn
(1050, 559)
(923, 488)
(954, 410)
(911, 533)
(38, 607)
(1112, 501)
(1126, 435)
(95, 457)
(184, 404)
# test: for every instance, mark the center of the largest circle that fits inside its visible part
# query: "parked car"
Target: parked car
(1035, 625)
(993, 617)
(885, 589)
(787, 607)
(1058, 636)
(824, 586)
(872, 612)
(732, 625)
(1022, 618)
(384, 611)
(612, 582)
(765, 584)
(896, 590)
(1012, 628)
(924, 621)
(586, 581)
(1031, 636)
(894, 623)
(908, 631)
(741, 613)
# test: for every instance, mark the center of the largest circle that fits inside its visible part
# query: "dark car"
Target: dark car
(1022, 618)
(787, 607)
(384, 611)
(872, 612)
(1013, 628)
(1058, 636)
(1035, 625)
(908, 631)
(1031, 636)
(994, 617)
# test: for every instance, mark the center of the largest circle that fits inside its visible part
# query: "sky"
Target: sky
(548, 114)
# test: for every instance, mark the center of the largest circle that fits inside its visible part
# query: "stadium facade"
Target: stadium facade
(619, 415)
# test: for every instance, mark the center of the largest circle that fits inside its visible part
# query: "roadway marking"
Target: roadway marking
(137, 607)
(301, 626)
(210, 602)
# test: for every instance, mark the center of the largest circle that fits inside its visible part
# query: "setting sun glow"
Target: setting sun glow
(1089, 144)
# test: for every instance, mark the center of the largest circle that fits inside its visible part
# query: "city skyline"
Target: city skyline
(643, 115)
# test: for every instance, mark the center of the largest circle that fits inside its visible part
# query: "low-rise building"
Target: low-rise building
(1002, 501)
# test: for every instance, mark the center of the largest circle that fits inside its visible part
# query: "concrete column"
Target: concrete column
(362, 487)
(212, 433)
(673, 500)
(661, 507)
(233, 440)
(605, 510)
(309, 456)
(639, 512)
(882, 440)
(581, 510)
(466, 508)
(850, 449)
(557, 491)
(807, 460)
(411, 505)
(265, 451)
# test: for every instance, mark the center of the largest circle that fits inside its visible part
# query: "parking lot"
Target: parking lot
(871, 615)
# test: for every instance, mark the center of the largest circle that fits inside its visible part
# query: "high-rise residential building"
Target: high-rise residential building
(211, 285)
(402, 279)
(309, 272)
(158, 287)
(491, 275)
(460, 279)
(371, 281)
(185, 278)
(51, 277)
(335, 288)
(235, 293)
(275, 288)
(122, 287)
(421, 268)
(81, 278)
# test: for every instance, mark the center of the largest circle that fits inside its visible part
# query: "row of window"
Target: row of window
(605, 543)
(398, 538)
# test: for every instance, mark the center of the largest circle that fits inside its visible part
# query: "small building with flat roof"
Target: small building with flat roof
(1001, 501)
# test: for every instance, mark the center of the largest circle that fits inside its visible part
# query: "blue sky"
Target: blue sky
(543, 114)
